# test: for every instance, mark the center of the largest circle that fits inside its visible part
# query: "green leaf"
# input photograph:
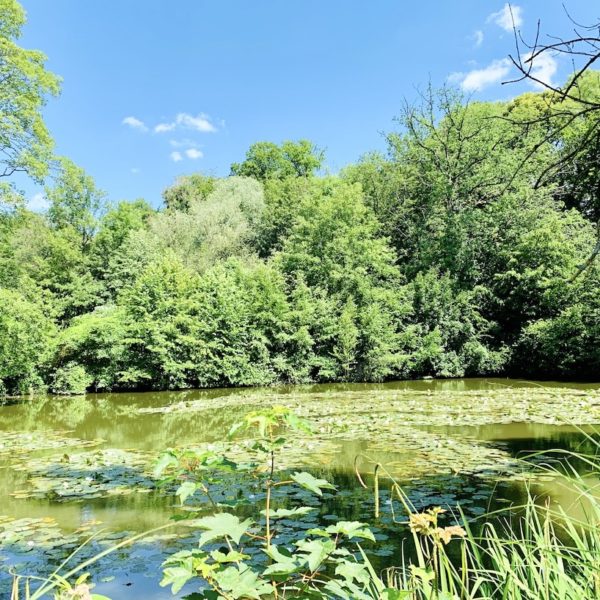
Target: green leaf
(352, 571)
(282, 513)
(242, 582)
(176, 577)
(185, 490)
(316, 551)
(392, 594)
(221, 525)
(296, 423)
(166, 459)
(285, 563)
(351, 529)
(307, 481)
(232, 556)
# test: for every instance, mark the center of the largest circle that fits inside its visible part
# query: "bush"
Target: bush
(70, 380)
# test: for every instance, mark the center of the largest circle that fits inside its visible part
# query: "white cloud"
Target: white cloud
(135, 170)
(478, 38)
(478, 79)
(184, 143)
(507, 16)
(162, 127)
(176, 156)
(134, 123)
(544, 68)
(38, 203)
(200, 122)
(193, 153)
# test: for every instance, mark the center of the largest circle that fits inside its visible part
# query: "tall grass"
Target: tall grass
(545, 553)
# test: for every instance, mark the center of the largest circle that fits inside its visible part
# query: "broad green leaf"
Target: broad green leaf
(232, 556)
(285, 563)
(166, 459)
(218, 526)
(242, 582)
(282, 513)
(185, 490)
(352, 571)
(176, 577)
(315, 551)
(307, 481)
(351, 529)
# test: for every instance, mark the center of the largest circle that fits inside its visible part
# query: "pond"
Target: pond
(73, 467)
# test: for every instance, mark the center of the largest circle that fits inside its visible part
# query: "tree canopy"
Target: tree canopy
(461, 251)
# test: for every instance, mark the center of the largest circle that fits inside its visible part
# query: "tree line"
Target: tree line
(443, 256)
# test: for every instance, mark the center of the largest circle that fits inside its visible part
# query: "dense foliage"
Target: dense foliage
(444, 257)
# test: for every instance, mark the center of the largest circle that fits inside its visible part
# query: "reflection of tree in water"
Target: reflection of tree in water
(559, 449)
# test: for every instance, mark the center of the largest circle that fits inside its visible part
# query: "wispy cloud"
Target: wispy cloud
(507, 16)
(479, 79)
(543, 68)
(477, 38)
(162, 127)
(200, 122)
(184, 143)
(38, 203)
(134, 123)
(176, 156)
(135, 171)
(193, 153)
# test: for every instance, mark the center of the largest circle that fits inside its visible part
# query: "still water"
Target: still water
(447, 442)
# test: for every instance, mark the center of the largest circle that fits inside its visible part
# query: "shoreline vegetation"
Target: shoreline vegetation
(446, 256)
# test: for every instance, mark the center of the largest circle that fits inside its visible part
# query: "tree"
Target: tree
(25, 144)
(159, 324)
(283, 201)
(47, 265)
(450, 159)
(335, 243)
(25, 342)
(94, 341)
(75, 201)
(574, 106)
(349, 279)
(450, 336)
(266, 160)
(213, 229)
(113, 232)
(188, 190)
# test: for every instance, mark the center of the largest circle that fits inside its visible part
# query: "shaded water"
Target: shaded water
(372, 415)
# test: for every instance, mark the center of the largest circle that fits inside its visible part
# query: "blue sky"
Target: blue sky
(155, 89)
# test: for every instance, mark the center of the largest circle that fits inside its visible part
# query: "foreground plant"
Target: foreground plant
(316, 565)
